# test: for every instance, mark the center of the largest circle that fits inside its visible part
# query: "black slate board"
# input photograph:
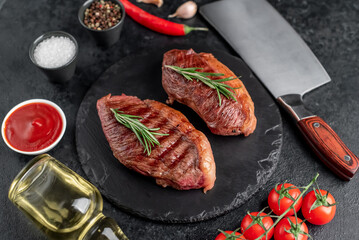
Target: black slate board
(243, 164)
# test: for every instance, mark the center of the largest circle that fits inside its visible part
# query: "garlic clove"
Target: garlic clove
(158, 3)
(186, 10)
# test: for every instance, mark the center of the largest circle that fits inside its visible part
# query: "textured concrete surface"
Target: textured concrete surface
(330, 28)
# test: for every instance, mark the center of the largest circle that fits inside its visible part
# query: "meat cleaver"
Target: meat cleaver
(287, 68)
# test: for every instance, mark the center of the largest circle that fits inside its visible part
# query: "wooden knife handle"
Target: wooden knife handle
(329, 147)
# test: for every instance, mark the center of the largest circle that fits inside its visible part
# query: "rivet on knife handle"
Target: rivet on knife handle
(322, 139)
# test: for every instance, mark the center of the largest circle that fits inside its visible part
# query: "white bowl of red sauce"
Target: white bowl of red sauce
(33, 127)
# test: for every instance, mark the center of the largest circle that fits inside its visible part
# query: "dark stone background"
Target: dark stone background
(330, 27)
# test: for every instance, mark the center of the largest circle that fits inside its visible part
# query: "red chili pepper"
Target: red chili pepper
(155, 23)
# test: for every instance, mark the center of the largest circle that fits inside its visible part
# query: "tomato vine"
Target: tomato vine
(257, 219)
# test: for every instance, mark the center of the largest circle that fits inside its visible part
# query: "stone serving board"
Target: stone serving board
(243, 164)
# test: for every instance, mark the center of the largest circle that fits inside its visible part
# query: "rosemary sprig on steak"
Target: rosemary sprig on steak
(217, 84)
(144, 134)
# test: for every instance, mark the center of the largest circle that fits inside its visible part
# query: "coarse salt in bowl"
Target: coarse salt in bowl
(55, 54)
(54, 51)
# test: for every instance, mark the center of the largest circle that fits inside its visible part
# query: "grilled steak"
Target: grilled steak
(231, 118)
(184, 158)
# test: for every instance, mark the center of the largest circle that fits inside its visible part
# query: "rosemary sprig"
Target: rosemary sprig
(144, 134)
(217, 84)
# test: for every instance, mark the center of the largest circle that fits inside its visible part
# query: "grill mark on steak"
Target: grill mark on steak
(167, 145)
(174, 149)
(232, 117)
(182, 155)
(178, 152)
(187, 166)
(128, 140)
(153, 120)
(184, 159)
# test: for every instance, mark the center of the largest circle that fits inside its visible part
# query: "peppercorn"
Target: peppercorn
(101, 15)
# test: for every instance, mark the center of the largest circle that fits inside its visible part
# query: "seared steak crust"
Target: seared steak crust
(231, 118)
(184, 159)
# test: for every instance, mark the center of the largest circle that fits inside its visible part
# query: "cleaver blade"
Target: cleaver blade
(286, 66)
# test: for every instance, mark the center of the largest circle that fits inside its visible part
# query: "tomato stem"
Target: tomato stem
(321, 200)
(305, 189)
(284, 192)
(233, 235)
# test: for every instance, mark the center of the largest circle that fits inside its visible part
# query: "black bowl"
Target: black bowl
(106, 37)
(60, 74)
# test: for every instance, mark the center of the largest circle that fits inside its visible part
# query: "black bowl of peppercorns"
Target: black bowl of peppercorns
(104, 19)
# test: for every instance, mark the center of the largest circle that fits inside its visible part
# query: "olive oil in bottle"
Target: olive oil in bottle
(61, 203)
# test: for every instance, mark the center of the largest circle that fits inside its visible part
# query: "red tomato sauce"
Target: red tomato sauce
(33, 127)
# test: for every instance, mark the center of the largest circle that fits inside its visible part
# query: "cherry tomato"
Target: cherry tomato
(323, 211)
(298, 230)
(231, 234)
(256, 230)
(281, 194)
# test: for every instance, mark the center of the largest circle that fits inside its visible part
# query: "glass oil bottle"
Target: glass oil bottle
(61, 203)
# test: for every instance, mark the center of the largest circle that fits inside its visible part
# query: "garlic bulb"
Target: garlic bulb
(158, 3)
(186, 10)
